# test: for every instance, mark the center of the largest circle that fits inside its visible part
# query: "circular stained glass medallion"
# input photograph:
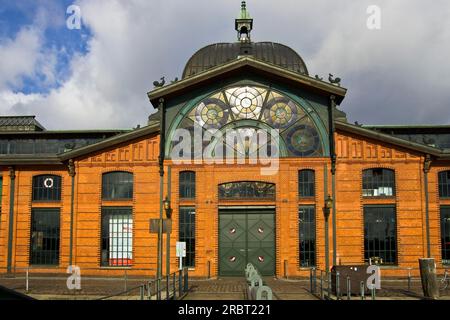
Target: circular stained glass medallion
(246, 103)
(212, 114)
(303, 140)
(281, 112)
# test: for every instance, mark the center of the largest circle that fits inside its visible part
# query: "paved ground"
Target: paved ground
(51, 287)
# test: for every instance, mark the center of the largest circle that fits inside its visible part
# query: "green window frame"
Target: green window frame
(117, 185)
(45, 236)
(307, 236)
(187, 234)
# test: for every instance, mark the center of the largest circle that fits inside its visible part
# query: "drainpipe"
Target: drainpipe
(71, 168)
(161, 185)
(426, 170)
(12, 175)
(333, 171)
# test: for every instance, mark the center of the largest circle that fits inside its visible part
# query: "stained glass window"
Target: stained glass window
(248, 108)
(247, 190)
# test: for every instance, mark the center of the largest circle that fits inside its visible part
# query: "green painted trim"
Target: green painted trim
(11, 218)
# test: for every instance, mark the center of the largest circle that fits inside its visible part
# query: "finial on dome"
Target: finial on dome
(244, 24)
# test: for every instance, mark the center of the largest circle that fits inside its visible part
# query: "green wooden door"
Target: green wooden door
(246, 236)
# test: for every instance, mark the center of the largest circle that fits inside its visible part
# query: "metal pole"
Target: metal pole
(158, 289)
(311, 280)
(174, 285)
(409, 279)
(180, 283)
(329, 285)
(373, 293)
(167, 287)
(362, 289)
(161, 187)
(327, 249)
(315, 279)
(186, 277)
(321, 285)
(72, 200)
(169, 172)
(12, 175)
(349, 288)
(338, 289)
(27, 281)
(141, 292)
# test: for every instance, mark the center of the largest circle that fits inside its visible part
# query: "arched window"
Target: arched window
(444, 184)
(46, 188)
(187, 185)
(117, 186)
(378, 183)
(306, 183)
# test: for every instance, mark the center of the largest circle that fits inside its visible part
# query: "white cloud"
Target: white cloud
(399, 74)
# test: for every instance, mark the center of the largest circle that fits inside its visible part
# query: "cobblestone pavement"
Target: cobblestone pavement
(54, 287)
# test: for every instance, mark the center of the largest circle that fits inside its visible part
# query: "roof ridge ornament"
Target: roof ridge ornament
(244, 24)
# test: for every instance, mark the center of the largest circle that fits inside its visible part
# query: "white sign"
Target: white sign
(181, 249)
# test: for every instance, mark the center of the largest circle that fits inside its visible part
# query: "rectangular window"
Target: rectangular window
(1, 194)
(444, 184)
(46, 188)
(187, 234)
(307, 236)
(445, 234)
(187, 185)
(117, 237)
(380, 234)
(45, 237)
(306, 183)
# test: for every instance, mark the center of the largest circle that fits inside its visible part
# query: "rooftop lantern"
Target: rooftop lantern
(244, 24)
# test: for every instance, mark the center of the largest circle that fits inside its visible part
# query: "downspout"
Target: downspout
(161, 185)
(12, 175)
(426, 170)
(333, 172)
(72, 173)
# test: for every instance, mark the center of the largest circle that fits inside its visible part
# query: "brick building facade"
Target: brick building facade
(87, 198)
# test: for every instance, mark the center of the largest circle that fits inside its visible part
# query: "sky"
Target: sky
(98, 76)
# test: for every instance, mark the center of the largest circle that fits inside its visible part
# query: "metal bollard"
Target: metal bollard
(315, 280)
(186, 278)
(126, 281)
(149, 290)
(141, 292)
(338, 288)
(409, 279)
(27, 281)
(373, 293)
(174, 287)
(311, 280)
(167, 287)
(180, 283)
(158, 289)
(362, 290)
(321, 285)
(349, 288)
(329, 284)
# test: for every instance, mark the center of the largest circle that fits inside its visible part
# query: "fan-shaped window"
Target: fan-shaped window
(306, 183)
(444, 184)
(46, 188)
(247, 191)
(247, 108)
(117, 186)
(378, 183)
(187, 185)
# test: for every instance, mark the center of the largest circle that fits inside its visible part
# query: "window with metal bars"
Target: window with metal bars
(306, 183)
(378, 183)
(187, 234)
(444, 184)
(445, 234)
(187, 185)
(117, 237)
(117, 186)
(45, 237)
(46, 188)
(307, 236)
(380, 234)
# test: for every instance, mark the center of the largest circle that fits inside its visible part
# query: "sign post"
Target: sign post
(181, 252)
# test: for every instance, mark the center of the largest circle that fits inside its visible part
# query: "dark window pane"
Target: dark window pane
(187, 185)
(117, 186)
(307, 236)
(247, 191)
(46, 188)
(444, 184)
(378, 183)
(45, 237)
(187, 234)
(306, 183)
(380, 234)
(445, 234)
(117, 237)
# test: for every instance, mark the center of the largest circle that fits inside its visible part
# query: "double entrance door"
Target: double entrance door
(246, 236)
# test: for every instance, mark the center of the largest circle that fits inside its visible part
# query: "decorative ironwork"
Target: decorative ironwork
(46, 188)
(380, 233)
(378, 183)
(444, 184)
(247, 190)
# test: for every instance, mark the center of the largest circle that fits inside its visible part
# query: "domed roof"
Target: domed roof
(220, 53)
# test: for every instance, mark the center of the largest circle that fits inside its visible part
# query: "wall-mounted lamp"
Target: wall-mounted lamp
(167, 208)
